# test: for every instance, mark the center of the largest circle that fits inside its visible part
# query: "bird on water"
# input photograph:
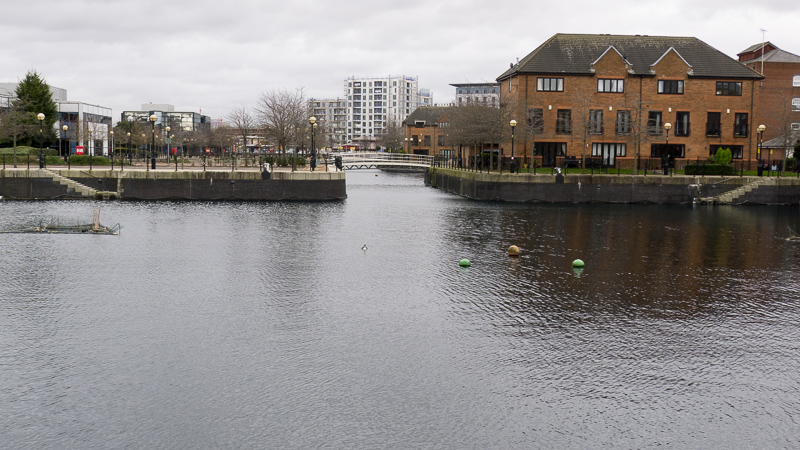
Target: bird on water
(364, 247)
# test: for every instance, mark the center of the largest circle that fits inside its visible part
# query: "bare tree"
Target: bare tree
(13, 124)
(784, 119)
(244, 123)
(392, 136)
(534, 126)
(283, 114)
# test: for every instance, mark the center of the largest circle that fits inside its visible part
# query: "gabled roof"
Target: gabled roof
(610, 47)
(758, 46)
(573, 54)
(671, 49)
(780, 141)
(429, 114)
(777, 55)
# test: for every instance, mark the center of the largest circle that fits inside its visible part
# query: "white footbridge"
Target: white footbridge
(382, 160)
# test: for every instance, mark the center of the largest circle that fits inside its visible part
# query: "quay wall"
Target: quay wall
(607, 188)
(177, 185)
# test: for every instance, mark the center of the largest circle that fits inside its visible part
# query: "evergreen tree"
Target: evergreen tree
(34, 97)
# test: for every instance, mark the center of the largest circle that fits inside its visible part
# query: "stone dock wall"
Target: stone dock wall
(172, 185)
(614, 188)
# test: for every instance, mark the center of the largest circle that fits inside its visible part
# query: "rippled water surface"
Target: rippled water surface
(264, 325)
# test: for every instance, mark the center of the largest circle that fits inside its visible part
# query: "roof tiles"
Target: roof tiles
(573, 54)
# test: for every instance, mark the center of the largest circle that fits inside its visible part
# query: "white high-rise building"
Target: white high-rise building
(372, 103)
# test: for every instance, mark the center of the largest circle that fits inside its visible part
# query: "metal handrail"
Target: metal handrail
(384, 158)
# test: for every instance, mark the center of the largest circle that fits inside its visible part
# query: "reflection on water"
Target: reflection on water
(266, 325)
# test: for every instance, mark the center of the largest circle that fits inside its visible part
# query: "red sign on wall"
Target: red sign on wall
(78, 149)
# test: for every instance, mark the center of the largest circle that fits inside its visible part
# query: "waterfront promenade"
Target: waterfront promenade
(192, 182)
(615, 188)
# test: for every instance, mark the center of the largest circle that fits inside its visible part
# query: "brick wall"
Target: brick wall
(640, 96)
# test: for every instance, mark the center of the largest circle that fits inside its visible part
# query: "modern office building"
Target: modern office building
(166, 116)
(88, 125)
(486, 93)
(372, 103)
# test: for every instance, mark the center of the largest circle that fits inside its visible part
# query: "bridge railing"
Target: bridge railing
(384, 158)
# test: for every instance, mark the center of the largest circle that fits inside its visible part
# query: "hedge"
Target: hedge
(710, 169)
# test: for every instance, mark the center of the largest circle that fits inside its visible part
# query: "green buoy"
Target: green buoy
(577, 263)
(464, 263)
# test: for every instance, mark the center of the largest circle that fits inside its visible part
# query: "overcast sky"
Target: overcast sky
(217, 55)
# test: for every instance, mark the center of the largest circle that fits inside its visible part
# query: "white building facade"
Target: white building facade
(88, 125)
(486, 93)
(373, 103)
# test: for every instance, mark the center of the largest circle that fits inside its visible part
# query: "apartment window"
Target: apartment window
(427, 141)
(737, 151)
(536, 120)
(654, 123)
(740, 125)
(670, 86)
(796, 104)
(440, 138)
(796, 126)
(608, 152)
(682, 123)
(623, 122)
(661, 150)
(713, 125)
(550, 84)
(596, 121)
(796, 81)
(419, 123)
(610, 85)
(729, 88)
(564, 121)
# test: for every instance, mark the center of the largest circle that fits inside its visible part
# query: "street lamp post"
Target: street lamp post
(91, 150)
(176, 153)
(64, 128)
(313, 121)
(130, 157)
(111, 152)
(667, 127)
(761, 128)
(513, 124)
(40, 116)
(167, 142)
(153, 119)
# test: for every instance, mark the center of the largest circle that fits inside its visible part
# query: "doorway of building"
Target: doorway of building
(550, 151)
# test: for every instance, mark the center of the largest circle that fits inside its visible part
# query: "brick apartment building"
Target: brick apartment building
(779, 100)
(426, 132)
(609, 97)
